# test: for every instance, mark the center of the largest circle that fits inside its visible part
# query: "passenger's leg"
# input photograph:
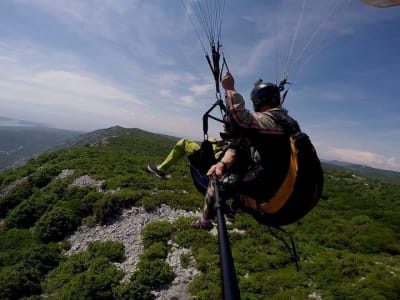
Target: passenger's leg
(182, 147)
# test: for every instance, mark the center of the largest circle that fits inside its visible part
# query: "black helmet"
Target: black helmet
(265, 93)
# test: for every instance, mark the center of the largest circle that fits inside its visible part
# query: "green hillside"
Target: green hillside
(365, 171)
(349, 245)
(23, 141)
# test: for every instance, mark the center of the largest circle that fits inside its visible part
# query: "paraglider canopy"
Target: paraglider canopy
(382, 3)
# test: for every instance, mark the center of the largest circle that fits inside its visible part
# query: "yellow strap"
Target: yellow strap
(282, 195)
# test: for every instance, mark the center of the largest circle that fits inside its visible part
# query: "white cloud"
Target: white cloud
(81, 86)
(257, 56)
(132, 26)
(362, 157)
(202, 89)
(187, 100)
(168, 79)
(29, 81)
(58, 92)
(61, 98)
(166, 93)
(53, 87)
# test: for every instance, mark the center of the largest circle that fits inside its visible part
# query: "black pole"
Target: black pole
(228, 273)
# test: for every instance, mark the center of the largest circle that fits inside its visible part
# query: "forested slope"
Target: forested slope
(349, 245)
(19, 143)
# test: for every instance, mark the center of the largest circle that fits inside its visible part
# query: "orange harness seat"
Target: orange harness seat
(278, 200)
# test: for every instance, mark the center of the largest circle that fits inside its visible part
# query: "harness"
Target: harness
(283, 193)
(281, 196)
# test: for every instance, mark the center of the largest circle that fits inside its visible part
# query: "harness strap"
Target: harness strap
(282, 195)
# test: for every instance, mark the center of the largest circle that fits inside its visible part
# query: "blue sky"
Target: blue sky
(86, 65)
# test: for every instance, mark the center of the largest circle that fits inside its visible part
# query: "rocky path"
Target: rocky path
(127, 229)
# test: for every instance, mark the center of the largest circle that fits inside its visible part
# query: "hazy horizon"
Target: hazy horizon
(26, 123)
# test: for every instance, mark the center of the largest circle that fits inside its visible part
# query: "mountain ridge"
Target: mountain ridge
(364, 170)
(62, 138)
(22, 142)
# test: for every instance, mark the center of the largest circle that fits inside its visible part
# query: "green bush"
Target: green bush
(18, 194)
(106, 208)
(150, 203)
(55, 225)
(43, 177)
(13, 243)
(45, 157)
(152, 271)
(42, 258)
(361, 220)
(96, 283)
(155, 251)
(128, 198)
(67, 269)
(58, 188)
(207, 285)
(153, 274)
(26, 213)
(195, 239)
(157, 232)
(87, 275)
(112, 250)
(88, 202)
(22, 276)
(18, 281)
(179, 200)
(111, 205)
(132, 290)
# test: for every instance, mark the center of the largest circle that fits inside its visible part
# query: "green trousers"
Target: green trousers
(184, 147)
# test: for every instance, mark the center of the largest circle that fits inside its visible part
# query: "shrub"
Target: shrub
(18, 281)
(157, 232)
(96, 283)
(89, 221)
(20, 193)
(153, 274)
(361, 220)
(58, 188)
(186, 260)
(179, 200)
(45, 157)
(14, 241)
(127, 198)
(195, 239)
(111, 205)
(150, 203)
(112, 250)
(77, 194)
(23, 278)
(67, 269)
(207, 285)
(43, 177)
(155, 251)
(106, 208)
(55, 225)
(25, 269)
(133, 290)
(87, 275)
(42, 258)
(26, 213)
(88, 202)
